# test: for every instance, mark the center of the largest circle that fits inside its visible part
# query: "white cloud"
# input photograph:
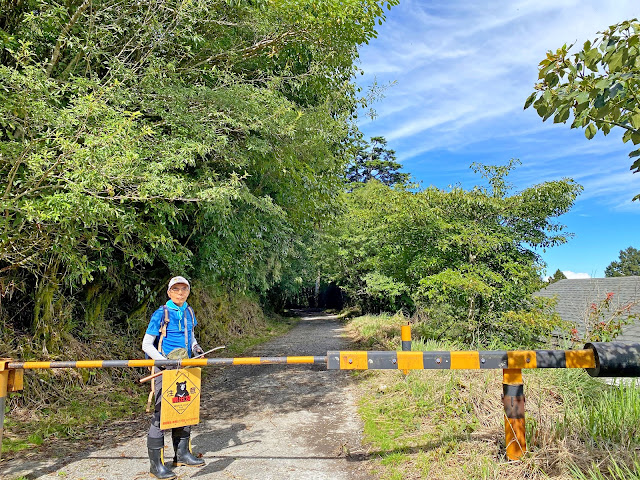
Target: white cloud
(573, 275)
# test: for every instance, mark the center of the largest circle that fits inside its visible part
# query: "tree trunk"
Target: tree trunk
(316, 295)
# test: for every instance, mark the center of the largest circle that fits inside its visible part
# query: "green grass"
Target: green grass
(614, 471)
(90, 407)
(377, 331)
(450, 424)
(610, 419)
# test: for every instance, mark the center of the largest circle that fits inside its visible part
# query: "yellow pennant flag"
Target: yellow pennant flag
(180, 398)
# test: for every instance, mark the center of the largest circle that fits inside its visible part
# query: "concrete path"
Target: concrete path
(257, 422)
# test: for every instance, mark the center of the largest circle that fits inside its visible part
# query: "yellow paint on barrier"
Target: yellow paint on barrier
(353, 361)
(580, 358)
(465, 360)
(37, 365)
(89, 364)
(194, 362)
(16, 380)
(4, 381)
(246, 361)
(180, 405)
(515, 437)
(303, 359)
(405, 333)
(522, 359)
(410, 360)
(141, 363)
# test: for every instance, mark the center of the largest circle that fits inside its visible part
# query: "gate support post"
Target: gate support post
(514, 423)
(405, 336)
(4, 381)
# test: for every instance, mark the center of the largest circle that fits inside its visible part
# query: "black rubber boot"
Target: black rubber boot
(183, 455)
(155, 446)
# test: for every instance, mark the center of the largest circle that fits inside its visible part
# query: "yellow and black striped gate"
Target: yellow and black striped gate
(614, 359)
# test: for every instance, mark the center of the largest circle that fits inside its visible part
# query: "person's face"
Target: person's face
(178, 293)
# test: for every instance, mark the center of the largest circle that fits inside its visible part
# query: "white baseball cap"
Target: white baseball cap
(175, 280)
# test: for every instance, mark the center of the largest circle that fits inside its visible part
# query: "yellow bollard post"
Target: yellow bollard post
(514, 422)
(405, 336)
(4, 381)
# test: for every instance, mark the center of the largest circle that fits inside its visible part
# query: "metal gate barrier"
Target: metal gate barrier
(600, 359)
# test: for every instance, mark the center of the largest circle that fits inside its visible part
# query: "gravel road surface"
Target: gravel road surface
(257, 422)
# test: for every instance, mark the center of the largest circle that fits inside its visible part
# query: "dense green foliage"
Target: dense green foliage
(598, 85)
(467, 256)
(211, 138)
(628, 264)
(143, 138)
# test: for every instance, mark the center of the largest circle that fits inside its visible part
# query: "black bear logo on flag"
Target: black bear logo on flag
(182, 395)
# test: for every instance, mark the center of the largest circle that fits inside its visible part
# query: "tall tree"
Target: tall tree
(375, 160)
(629, 264)
(557, 276)
(597, 87)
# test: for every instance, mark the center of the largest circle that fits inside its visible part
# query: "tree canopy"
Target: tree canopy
(468, 253)
(627, 265)
(595, 88)
(138, 138)
(559, 275)
(212, 138)
(375, 161)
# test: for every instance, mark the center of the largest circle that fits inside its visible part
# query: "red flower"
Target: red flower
(609, 295)
(594, 306)
(574, 331)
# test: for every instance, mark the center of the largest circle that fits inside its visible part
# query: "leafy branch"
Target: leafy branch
(597, 85)
(55, 56)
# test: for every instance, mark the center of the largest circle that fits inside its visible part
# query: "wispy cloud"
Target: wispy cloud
(463, 63)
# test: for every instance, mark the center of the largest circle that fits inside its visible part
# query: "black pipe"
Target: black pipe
(615, 359)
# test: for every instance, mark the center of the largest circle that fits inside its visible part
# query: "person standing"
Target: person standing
(170, 334)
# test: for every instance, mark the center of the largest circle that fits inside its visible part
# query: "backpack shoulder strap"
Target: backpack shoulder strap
(193, 316)
(165, 322)
(162, 333)
(163, 327)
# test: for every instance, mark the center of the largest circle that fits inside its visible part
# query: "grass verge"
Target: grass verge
(450, 424)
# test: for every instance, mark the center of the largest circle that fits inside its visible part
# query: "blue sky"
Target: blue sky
(461, 72)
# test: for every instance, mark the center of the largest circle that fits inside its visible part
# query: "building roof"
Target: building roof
(575, 297)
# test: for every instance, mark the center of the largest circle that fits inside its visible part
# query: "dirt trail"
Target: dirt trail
(257, 422)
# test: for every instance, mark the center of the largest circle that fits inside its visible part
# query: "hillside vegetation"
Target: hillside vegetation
(140, 140)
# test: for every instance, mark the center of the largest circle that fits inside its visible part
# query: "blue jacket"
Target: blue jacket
(179, 329)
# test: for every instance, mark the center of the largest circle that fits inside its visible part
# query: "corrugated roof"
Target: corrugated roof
(575, 297)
